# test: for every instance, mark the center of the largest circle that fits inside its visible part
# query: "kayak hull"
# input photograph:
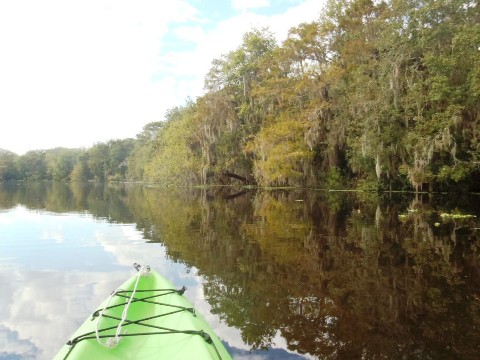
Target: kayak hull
(159, 323)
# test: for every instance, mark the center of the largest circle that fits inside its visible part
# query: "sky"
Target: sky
(74, 73)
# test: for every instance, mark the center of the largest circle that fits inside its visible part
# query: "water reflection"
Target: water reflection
(329, 275)
(42, 306)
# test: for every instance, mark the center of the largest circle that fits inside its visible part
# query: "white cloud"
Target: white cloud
(227, 36)
(129, 251)
(62, 301)
(75, 73)
(189, 33)
(82, 70)
(244, 5)
(11, 344)
(55, 233)
(41, 296)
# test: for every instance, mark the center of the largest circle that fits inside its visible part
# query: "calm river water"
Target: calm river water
(278, 274)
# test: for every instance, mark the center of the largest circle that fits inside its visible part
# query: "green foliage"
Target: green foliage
(102, 162)
(386, 92)
(143, 150)
(334, 179)
(118, 153)
(80, 172)
(382, 91)
(457, 172)
(8, 169)
(109, 161)
(97, 161)
(60, 163)
(280, 153)
(173, 160)
(32, 165)
(367, 185)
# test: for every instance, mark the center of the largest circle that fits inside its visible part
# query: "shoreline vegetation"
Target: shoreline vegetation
(246, 187)
(374, 96)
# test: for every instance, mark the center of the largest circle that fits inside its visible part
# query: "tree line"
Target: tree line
(101, 162)
(372, 95)
(375, 95)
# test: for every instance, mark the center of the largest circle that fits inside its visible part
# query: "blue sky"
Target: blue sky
(73, 73)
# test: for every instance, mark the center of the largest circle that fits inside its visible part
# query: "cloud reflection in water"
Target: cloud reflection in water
(56, 269)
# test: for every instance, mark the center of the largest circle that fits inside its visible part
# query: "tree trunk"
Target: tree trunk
(235, 176)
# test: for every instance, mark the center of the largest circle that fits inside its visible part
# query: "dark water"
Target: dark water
(305, 274)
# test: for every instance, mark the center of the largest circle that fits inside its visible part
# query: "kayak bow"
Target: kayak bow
(146, 318)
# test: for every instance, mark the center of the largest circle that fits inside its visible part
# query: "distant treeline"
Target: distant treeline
(373, 95)
(102, 162)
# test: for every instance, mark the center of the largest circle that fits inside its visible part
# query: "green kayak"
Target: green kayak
(146, 318)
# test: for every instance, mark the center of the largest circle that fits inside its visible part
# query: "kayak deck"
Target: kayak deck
(151, 319)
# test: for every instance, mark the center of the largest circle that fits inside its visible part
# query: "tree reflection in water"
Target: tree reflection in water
(338, 275)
